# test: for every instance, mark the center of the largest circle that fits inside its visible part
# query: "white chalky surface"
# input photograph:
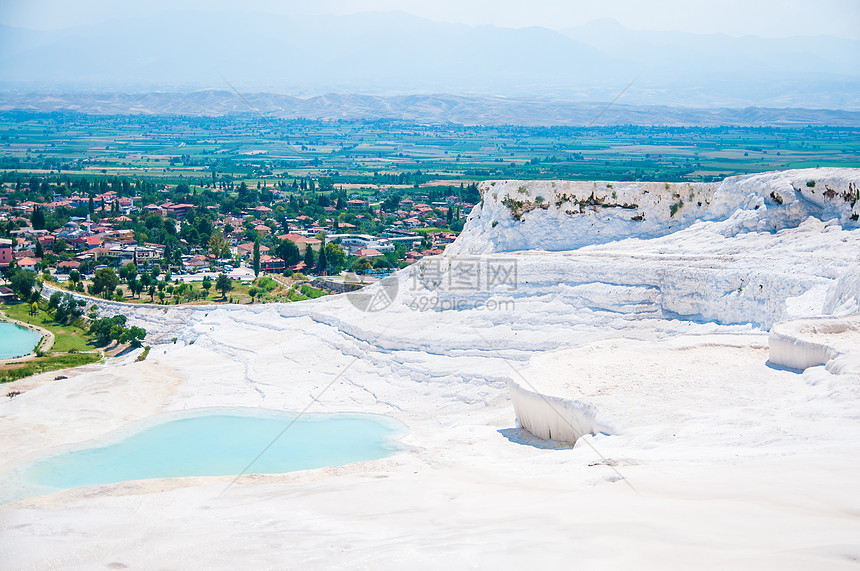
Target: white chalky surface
(713, 455)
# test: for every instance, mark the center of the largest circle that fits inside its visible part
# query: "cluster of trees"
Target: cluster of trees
(42, 188)
(105, 283)
(113, 328)
(331, 257)
(66, 308)
(413, 178)
(155, 229)
(23, 283)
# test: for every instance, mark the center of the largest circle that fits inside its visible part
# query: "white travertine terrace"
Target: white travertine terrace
(830, 341)
(653, 330)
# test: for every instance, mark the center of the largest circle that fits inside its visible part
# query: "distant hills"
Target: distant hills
(438, 108)
(393, 53)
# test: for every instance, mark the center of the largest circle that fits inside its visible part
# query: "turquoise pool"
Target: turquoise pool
(218, 443)
(16, 341)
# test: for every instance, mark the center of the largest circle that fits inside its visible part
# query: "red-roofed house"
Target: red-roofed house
(28, 263)
(66, 266)
(272, 264)
(368, 252)
(87, 242)
(247, 249)
(179, 210)
(301, 241)
(155, 209)
(413, 256)
(200, 262)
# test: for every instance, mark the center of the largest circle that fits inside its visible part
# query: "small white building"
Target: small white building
(352, 243)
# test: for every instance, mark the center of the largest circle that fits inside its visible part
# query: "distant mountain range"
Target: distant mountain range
(439, 108)
(393, 53)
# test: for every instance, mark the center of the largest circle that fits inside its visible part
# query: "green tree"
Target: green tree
(133, 335)
(54, 300)
(309, 257)
(335, 257)
(256, 257)
(75, 277)
(223, 284)
(206, 285)
(218, 245)
(362, 265)
(40, 251)
(322, 262)
(128, 273)
(104, 282)
(136, 286)
(23, 282)
(66, 308)
(38, 218)
(108, 328)
(289, 252)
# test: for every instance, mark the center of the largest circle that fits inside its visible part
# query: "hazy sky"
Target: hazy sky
(769, 18)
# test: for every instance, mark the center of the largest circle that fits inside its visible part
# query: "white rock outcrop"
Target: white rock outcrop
(564, 215)
(830, 341)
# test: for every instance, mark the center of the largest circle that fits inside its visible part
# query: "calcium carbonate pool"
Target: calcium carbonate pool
(217, 443)
(17, 341)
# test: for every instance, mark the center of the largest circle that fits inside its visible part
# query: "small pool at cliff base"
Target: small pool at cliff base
(216, 443)
(17, 341)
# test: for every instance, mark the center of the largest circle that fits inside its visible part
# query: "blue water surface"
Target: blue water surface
(220, 444)
(16, 341)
